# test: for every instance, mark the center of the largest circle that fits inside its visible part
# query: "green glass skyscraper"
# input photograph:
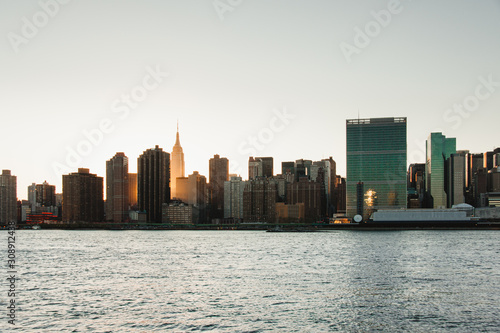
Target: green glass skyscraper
(438, 149)
(376, 157)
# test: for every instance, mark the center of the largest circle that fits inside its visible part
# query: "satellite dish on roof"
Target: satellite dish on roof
(358, 218)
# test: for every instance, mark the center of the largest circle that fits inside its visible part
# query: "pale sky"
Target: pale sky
(232, 66)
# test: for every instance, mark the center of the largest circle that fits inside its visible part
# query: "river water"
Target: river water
(253, 281)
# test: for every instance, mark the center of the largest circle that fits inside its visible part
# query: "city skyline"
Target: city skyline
(245, 168)
(287, 75)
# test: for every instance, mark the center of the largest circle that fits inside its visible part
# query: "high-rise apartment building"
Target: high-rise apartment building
(32, 197)
(218, 174)
(438, 150)
(132, 189)
(117, 188)
(83, 197)
(455, 185)
(309, 193)
(46, 194)
(376, 157)
(196, 189)
(233, 198)
(197, 194)
(182, 189)
(8, 197)
(153, 182)
(177, 164)
(42, 198)
(259, 200)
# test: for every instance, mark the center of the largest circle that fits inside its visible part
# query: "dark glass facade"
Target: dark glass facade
(376, 156)
(153, 182)
(438, 149)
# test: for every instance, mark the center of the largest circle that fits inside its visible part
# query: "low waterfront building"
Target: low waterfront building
(290, 213)
(421, 215)
(180, 213)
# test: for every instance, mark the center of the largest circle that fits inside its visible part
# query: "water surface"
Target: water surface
(253, 281)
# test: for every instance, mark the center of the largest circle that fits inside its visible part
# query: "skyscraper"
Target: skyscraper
(438, 149)
(260, 167)
(83, 197)
(474, 165)
(8, 197)
(132, 189)
(254, 168)
(455, 189)
(341, 194)
(32, 197)
(489, 160)
(259, 200)
(218, 174)
(329, 178)
(153, 182)
(182, 189)
(42, 197)
(416, 185)
(302, 169)
(307, 192)
(117, 188)
(288, 171)
(233, 198)
(267, 166)
(177, 164)
(496, 158)
(376, 157)
(332, 186)
(197, 194)
(46, 194)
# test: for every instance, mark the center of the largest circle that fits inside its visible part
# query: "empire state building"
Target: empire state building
(176, 164)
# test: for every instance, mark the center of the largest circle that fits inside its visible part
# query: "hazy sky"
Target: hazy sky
(286, 73)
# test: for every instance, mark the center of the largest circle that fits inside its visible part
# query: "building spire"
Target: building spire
(176, 165)
(177, 141)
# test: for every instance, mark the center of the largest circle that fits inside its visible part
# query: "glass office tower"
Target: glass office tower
(376, 157)
(438, 149)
